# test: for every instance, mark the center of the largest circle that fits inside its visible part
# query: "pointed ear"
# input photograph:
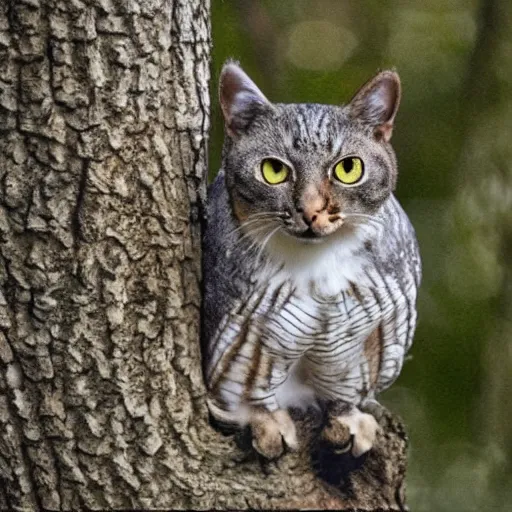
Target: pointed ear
(376, 103)
(240, 98)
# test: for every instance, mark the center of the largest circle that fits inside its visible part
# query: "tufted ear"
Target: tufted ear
(240, 98)
(376, 103)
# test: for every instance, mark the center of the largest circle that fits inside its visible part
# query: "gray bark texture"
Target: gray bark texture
(104, 115)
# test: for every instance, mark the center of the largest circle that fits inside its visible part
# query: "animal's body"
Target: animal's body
(311, 270)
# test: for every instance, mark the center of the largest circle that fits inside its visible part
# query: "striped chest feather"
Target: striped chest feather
(293, 321)
(302, 344)
(333, 326)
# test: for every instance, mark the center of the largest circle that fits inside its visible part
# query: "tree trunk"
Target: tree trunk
(104, 119)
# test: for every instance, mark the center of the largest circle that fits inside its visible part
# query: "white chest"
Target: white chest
(329, 266)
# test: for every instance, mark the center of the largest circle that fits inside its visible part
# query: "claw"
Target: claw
(347, 447)
(287, 428)
(270, 431)
(354, 431)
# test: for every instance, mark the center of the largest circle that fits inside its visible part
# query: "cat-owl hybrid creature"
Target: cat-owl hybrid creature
(311, 267)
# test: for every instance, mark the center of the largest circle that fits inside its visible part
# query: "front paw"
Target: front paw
(272, 432)
(343, 443)
(348, 430)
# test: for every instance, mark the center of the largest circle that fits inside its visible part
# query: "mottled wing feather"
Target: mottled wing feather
(396, 274)
(226, 279)
(253, 334)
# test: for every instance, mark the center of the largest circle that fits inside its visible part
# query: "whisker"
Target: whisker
(369, 223)
(251, 233)
(362, 215)
(268, 214)
(265, 242)
(365, 217)
(260, 214)
(257, 239)
(258, 217)
(245, 224)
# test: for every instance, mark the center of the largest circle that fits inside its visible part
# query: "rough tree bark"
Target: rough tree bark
(103, 128)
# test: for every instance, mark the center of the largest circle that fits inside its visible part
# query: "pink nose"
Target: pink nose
(309, 216)
(313, 202)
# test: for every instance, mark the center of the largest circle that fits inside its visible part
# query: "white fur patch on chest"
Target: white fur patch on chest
(316, 272)
(329, 265)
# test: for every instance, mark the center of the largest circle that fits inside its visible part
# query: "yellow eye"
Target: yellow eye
(274, 171)
(350, 170)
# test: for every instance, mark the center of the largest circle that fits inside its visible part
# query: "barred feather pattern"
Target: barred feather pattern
(349, 344)
(289, 321)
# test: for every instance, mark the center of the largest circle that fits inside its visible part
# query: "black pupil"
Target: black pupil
(277, 166)
(348, 164)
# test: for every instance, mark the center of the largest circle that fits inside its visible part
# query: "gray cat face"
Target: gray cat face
(309, 169)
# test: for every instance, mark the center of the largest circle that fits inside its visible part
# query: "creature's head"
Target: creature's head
(310, 170)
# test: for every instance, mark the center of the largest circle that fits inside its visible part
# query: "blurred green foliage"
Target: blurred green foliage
(453, 141)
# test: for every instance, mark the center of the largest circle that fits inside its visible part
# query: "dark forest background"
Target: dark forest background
(454, 146)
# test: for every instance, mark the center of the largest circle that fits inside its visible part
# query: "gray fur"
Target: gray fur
(311, 138)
